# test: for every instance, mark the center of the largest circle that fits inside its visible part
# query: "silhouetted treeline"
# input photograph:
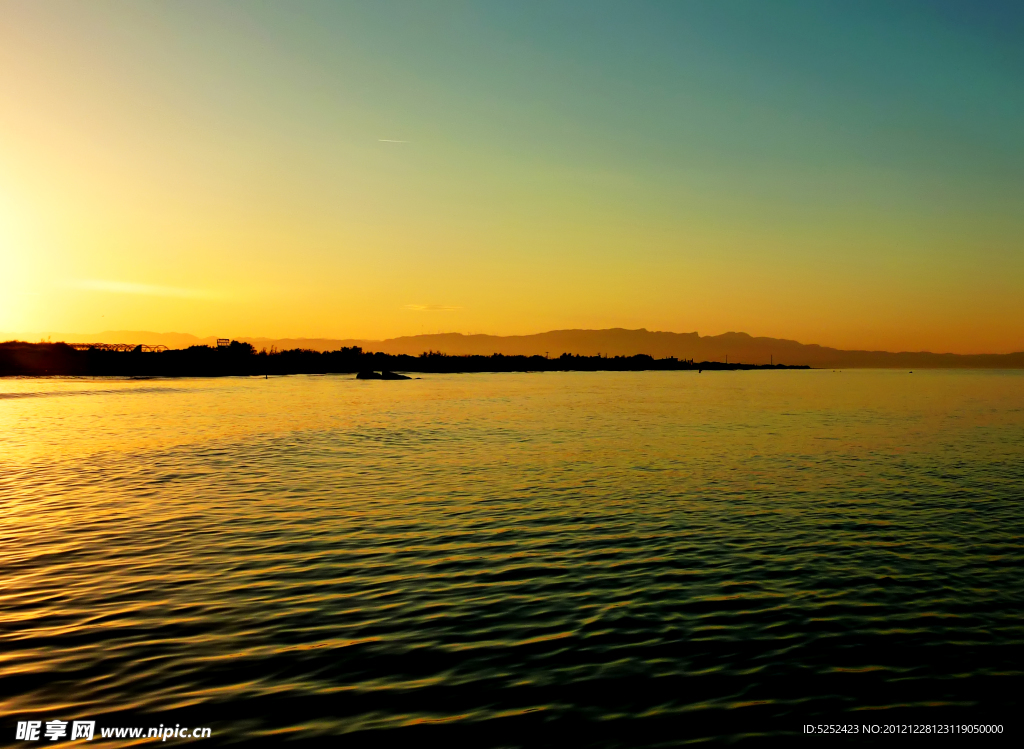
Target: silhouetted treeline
(19, 358)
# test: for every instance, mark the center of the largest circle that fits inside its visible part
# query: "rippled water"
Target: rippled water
(608, 559)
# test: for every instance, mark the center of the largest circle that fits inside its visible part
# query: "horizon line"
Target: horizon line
(37, 337)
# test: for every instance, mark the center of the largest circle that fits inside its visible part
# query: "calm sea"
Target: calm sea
(569, 559)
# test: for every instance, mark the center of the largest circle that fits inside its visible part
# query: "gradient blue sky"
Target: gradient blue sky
(843, 173)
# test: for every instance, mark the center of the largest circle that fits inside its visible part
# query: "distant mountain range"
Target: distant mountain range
(738, 347)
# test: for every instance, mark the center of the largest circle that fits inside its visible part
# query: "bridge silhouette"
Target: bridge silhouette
(122, 347)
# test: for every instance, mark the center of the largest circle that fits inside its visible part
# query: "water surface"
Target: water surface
(607, 559)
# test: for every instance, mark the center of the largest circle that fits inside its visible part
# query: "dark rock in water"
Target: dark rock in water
(385, 375)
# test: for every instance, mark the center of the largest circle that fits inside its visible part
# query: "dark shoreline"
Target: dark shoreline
(60, 359)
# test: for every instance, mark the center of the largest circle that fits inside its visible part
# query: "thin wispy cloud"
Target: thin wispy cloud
(140, 289)
(389, 140)
(432, 308)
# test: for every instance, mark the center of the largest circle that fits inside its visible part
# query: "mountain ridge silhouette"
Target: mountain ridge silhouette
(737, 346)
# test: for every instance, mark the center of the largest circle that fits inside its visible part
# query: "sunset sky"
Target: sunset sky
(850, 174)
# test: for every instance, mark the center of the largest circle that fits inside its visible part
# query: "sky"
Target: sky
(850, 174)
